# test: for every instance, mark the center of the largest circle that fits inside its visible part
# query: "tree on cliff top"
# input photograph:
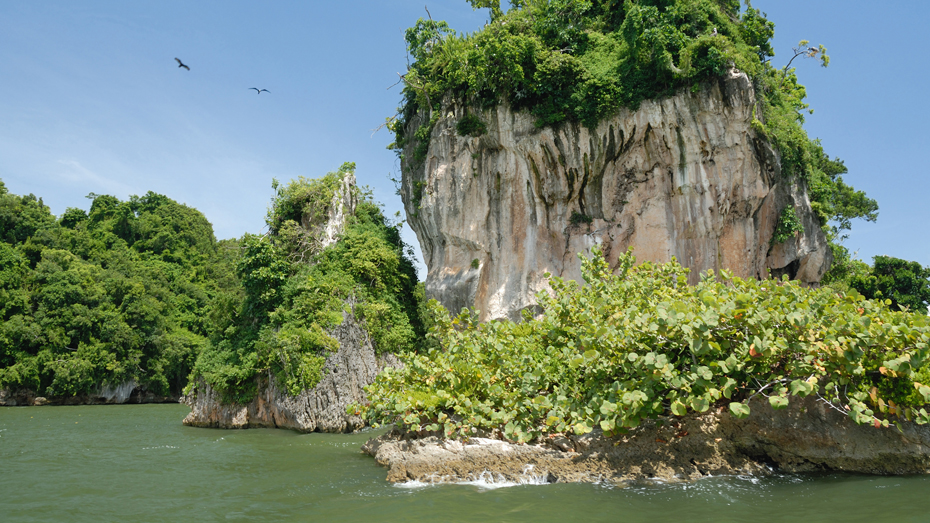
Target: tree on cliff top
(582, 60)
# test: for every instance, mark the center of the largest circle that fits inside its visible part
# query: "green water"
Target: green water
(138, 463)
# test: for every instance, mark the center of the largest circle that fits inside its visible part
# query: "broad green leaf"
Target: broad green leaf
(678, 408)
(739, 410)
(582, 428)
(700, 403)
(801, 388)
(925, 392)
(729, 387)
(778, 402)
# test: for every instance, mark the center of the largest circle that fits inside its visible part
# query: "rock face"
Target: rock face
(684, 177)
(807, 436)
(343, 205)
(321, 409)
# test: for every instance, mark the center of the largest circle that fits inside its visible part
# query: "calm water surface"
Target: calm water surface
(138, 463)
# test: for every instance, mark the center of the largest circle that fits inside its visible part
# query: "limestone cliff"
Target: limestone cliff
(322, 408)
(685, 176)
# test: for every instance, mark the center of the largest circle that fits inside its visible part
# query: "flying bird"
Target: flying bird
(259, 91)
(181, 64)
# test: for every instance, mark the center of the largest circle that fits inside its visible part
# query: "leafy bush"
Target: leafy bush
(471, 125)
(788, 225)
(578, 218)
(642, 343)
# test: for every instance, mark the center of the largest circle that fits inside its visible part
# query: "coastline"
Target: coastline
(808, 436)
(126, 393)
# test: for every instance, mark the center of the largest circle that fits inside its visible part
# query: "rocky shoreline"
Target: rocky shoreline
(125, 393)
(808, 436)
(323, 408)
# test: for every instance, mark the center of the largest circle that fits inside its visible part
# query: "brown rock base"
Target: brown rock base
(807, 436)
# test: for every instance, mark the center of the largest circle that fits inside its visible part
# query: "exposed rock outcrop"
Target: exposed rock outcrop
(322, 408)
(353, 366)
(685, 176)
(807, 436)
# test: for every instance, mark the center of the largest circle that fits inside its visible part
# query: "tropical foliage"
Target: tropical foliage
(642, 343)
(117, 294)
(905, 283)
(294, 291)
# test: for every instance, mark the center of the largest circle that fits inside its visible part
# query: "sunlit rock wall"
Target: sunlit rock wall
(684, 177)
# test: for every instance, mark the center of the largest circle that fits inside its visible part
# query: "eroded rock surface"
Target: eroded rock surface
(685, 176)
(322, 408)
(807, 436)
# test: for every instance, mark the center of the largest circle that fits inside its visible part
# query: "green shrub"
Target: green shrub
(642, 343)
(471, 125)
(788, 225)
(578, 218)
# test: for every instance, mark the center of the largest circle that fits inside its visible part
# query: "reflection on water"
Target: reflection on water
(138, 463)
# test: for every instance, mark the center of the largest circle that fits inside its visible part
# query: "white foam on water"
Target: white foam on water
(487, 480)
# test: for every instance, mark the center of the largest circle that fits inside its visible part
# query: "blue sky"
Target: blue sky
(91, 100)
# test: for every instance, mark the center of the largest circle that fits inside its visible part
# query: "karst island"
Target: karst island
(634, 272)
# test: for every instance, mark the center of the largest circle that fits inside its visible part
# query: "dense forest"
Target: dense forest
(140, 290)
(123, 292)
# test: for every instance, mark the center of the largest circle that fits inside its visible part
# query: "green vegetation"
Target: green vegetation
(294, 290)
(140, 290)
(121, 293)
(471, 125)
(788, 226)
(642, 343)
(578, 218)
(906, 284)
